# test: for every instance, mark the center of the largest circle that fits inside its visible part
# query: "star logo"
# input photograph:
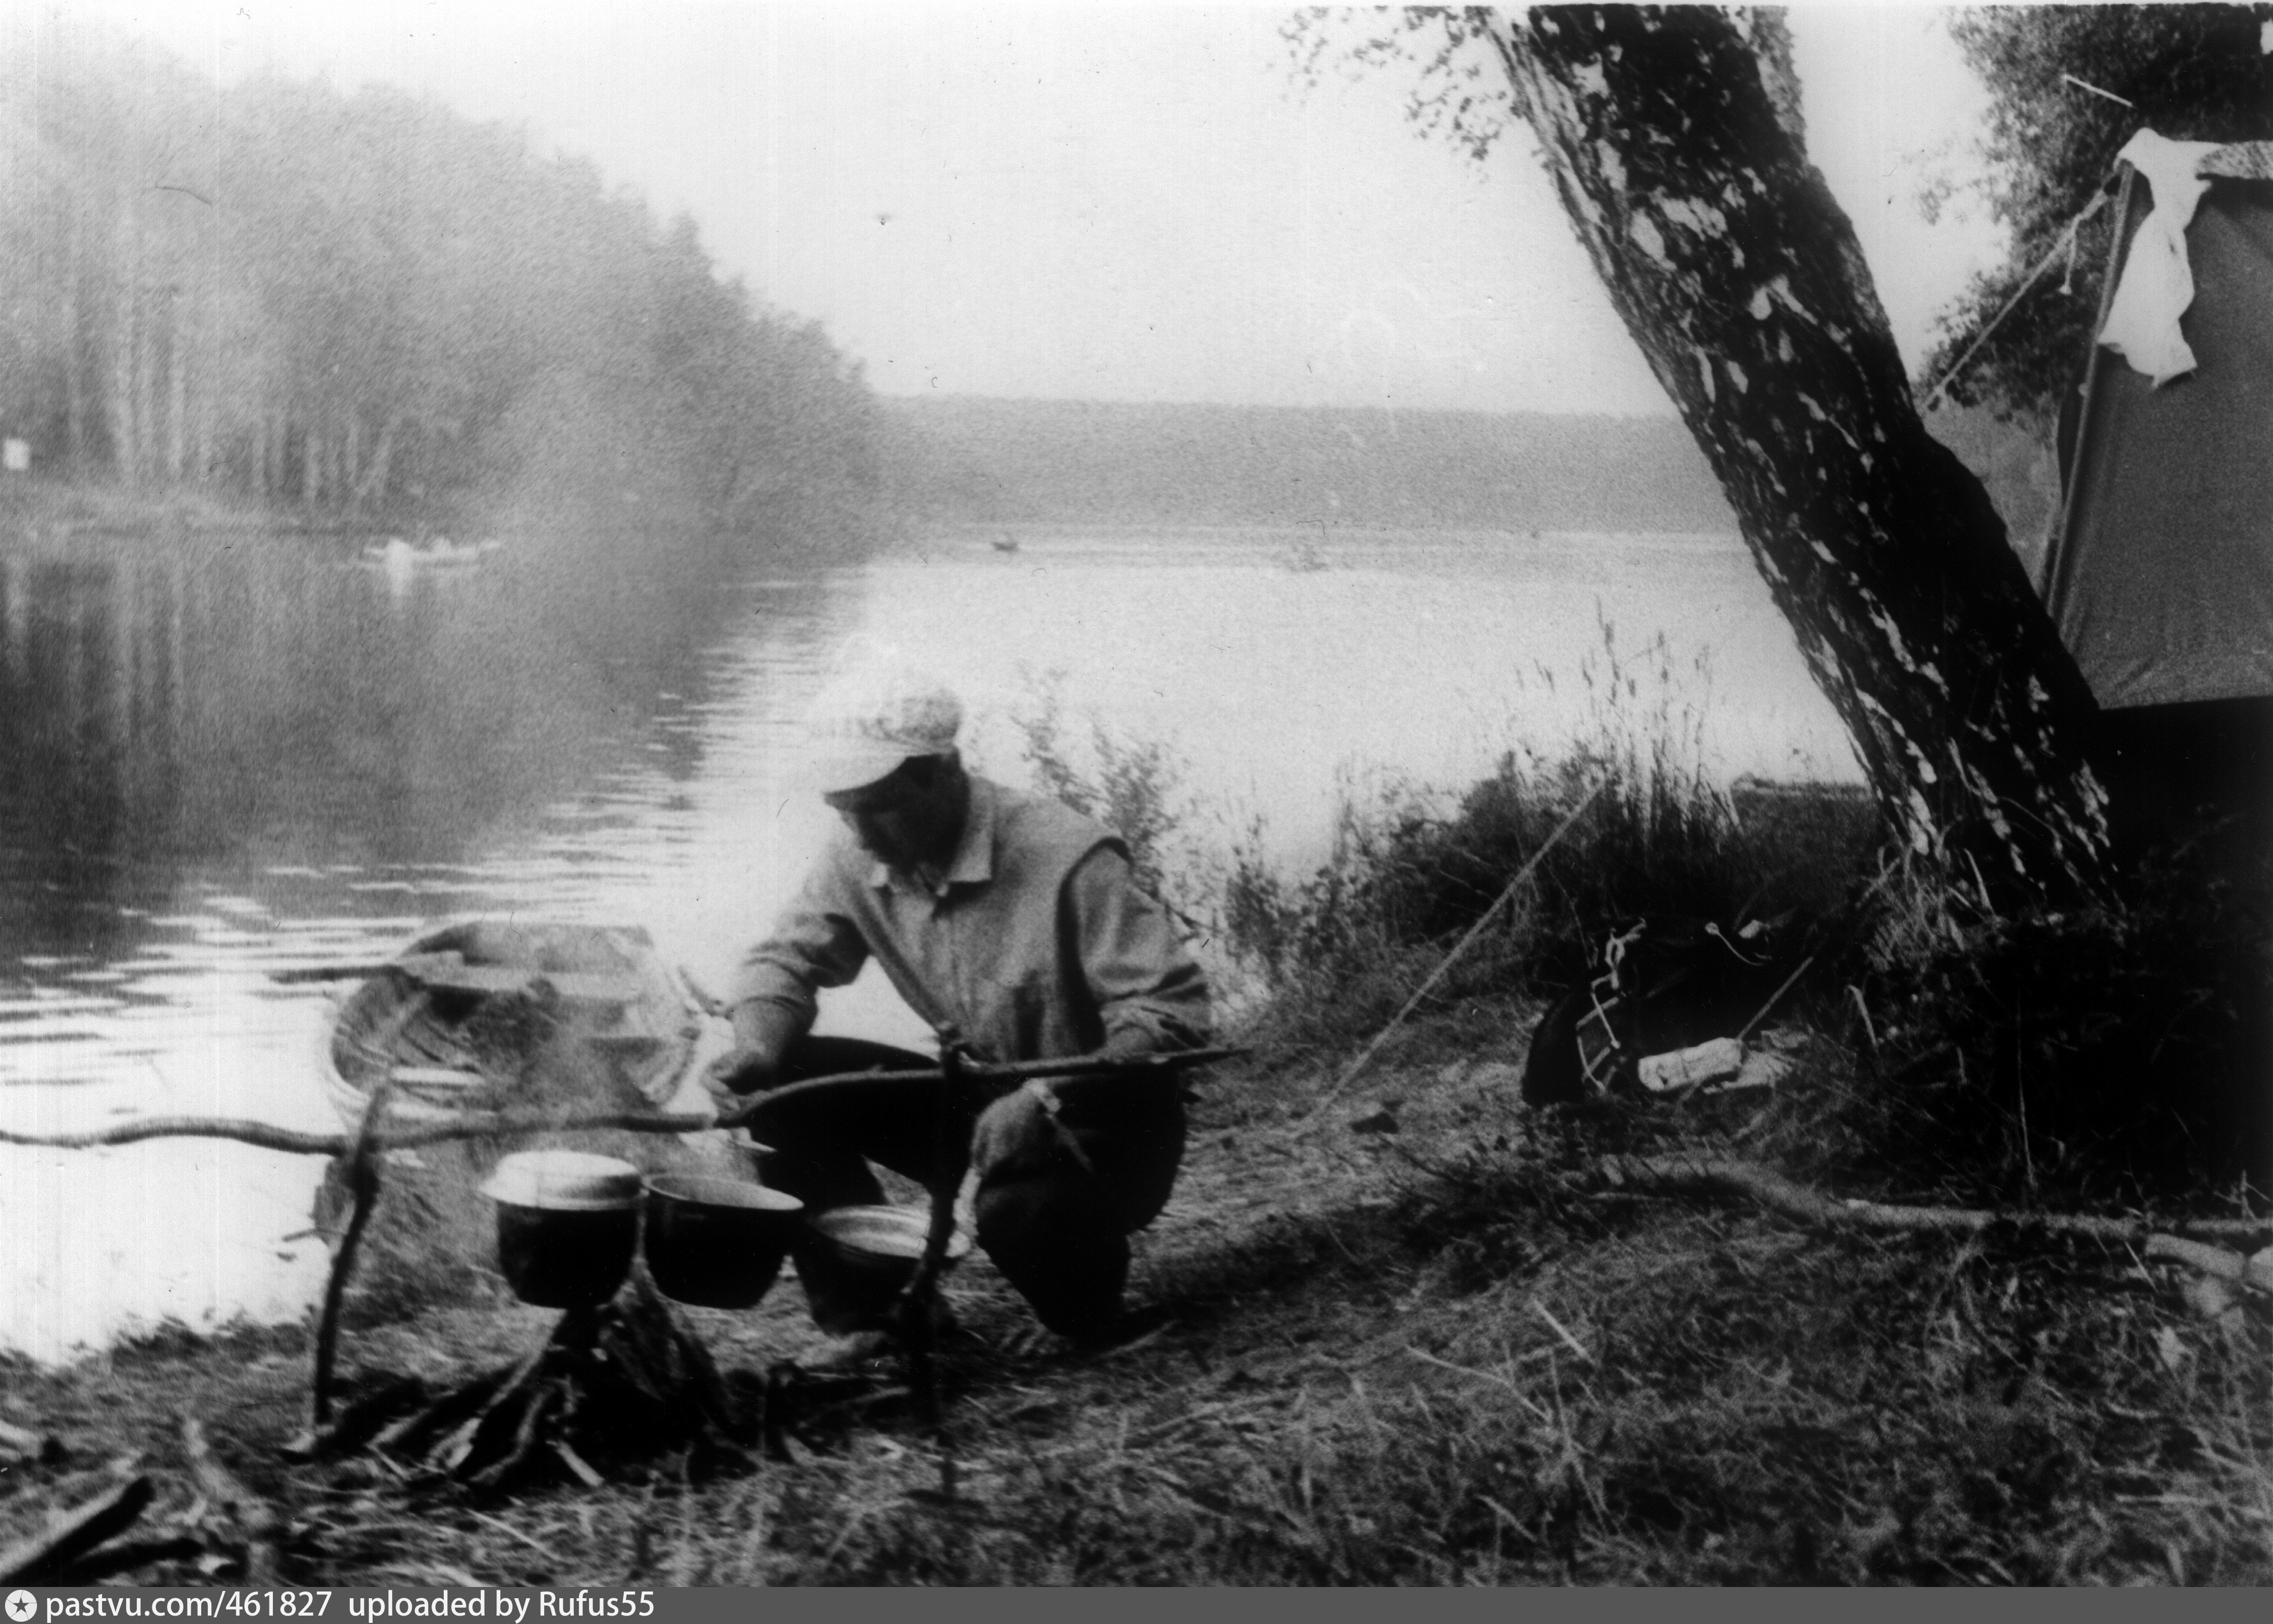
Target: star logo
(21, 1606)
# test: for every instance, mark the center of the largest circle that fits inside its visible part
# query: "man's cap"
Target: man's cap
(865, 725)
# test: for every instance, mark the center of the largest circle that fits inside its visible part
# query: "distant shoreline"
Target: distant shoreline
(1003, 463)
(1023, 528)
(30, 505)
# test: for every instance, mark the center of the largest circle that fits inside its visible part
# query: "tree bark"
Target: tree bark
(177, 391)
(1672, 137)
(125, 444)
(347, 471)
(147, 448)
(203, 458)
(75, 390)
(311, 463)
(370, 486)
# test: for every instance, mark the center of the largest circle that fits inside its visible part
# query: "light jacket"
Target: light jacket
(1034, 943)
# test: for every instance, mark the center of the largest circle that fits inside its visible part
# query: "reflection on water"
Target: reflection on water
(225, 761)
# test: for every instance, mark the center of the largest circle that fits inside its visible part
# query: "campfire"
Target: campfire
(612, 1387)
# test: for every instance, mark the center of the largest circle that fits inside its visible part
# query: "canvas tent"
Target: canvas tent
(2161, 575)
(2159, 572)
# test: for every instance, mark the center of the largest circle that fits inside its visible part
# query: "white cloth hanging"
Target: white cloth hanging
(2158, 284)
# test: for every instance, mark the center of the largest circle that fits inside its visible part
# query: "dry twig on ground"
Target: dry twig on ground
(1773, 1190)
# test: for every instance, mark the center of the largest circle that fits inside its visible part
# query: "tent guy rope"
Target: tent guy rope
(1350, 1073)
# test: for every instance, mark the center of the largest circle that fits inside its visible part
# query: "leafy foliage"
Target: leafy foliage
(2191, 72)
(1456, 89)
(1135, 788)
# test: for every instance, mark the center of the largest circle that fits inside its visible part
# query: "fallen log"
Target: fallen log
(73, 1533)
(1770, 1189)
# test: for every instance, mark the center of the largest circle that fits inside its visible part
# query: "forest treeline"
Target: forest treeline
(364, 307)
(973, 460)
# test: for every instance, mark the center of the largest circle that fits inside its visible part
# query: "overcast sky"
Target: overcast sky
(1123, 203)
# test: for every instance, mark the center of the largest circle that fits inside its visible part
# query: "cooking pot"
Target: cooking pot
(567, 1222)
(716, 1242)
(877, 1249)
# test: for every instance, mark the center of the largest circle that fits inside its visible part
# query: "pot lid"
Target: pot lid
(564, 1181)
(700, 1191)
(884, 1231)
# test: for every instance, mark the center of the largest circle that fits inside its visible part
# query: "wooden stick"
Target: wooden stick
(265, 1136)
(73, 1533)
(1745, 1031)
(363, 1181)
(1078, 1071)
(2255, 1273)
(915, 1302)
(1773, 1191)
(1349, 1073)
(250, 1513)
(2058, 555)
(301, 975)
(482, 1124)
(128, 1555)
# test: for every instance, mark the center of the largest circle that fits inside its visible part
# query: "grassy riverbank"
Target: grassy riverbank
(1429, 1335)
(45, 509)
(1444, 1350)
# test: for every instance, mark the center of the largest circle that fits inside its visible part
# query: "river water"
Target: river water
(231, 756)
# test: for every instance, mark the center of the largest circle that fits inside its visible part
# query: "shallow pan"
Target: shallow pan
(876, 1250)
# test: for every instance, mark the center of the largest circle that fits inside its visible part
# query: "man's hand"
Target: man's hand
(763, 1035)
(1127, 1043)
(739, 1073)
(1020, 1136)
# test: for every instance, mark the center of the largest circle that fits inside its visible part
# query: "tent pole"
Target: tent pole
(2054, 587)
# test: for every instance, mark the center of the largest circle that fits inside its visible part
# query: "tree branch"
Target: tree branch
(1713, 1176)
(499, 1125)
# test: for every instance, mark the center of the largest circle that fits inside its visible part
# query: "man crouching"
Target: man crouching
(1015, 923)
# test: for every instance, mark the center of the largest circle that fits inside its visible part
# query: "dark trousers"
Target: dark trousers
(1058, 1194)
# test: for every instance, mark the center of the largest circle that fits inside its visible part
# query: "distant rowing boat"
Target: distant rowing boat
(485, 1014)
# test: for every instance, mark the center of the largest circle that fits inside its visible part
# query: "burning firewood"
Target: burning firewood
(611, 1386)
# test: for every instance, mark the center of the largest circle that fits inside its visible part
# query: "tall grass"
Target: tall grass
(1340, 949)
(2108, 1054)
(1134, 786)
(2117, 1054)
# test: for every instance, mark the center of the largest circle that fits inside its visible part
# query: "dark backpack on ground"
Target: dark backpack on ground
(1662, 982)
